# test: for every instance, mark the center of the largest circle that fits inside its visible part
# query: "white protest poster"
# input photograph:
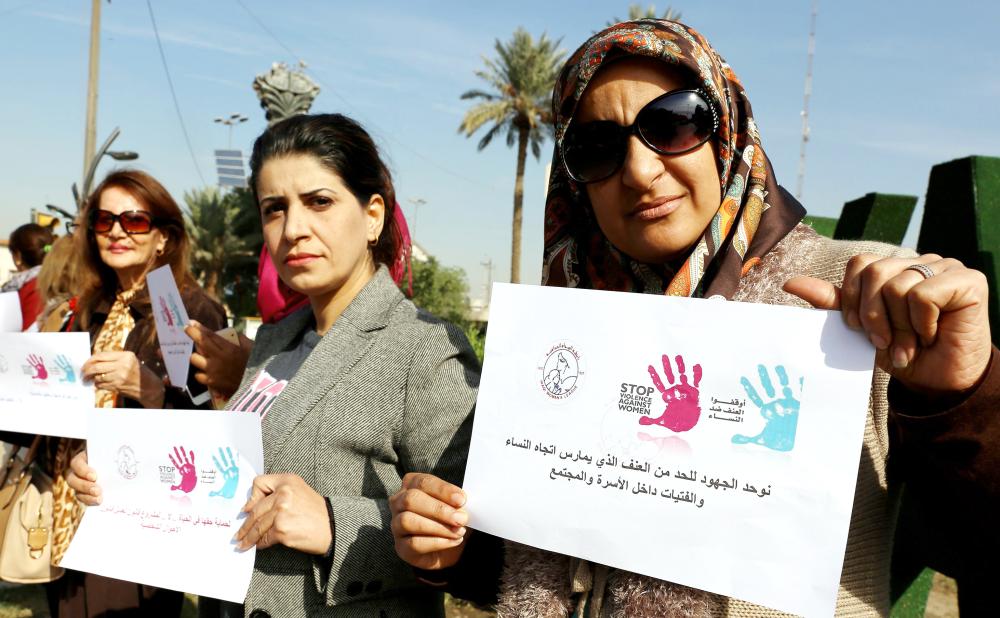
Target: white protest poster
(41, 390)
(10, 312)
(713, 444)
(171, 317)
(173, 484)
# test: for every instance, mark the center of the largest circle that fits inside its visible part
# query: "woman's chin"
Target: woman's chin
(124, 267)
(661, 242)
(309, 285)
(657, 251)
(296, 284)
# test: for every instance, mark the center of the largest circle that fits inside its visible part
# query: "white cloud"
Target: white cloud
(214, 42)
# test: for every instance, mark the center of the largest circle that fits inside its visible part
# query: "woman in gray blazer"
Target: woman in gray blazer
(354, 391)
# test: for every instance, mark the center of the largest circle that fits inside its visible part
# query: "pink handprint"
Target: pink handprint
(167, 316)
(38, 364)
(682, 410)
(189, 476)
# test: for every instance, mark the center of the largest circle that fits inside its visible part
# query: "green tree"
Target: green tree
(635, 11)
(444, 292)
(440, 290)
(521, 77)
(476, 335)
(240, 276)
(225, 242)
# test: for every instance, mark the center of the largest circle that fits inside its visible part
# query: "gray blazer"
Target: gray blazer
(388, 390)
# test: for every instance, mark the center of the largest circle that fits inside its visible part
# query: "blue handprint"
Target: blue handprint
(230, 472)
(781, 413)
(63, 364)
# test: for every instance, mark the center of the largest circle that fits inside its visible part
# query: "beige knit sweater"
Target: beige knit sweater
(536, 583)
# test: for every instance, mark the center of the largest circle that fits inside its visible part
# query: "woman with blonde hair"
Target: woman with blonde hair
(57, 284)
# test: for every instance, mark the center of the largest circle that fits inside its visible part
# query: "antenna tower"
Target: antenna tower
(805, 101)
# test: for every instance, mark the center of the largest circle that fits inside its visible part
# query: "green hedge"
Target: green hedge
(876, 216)
(823, 225)
(962, 219)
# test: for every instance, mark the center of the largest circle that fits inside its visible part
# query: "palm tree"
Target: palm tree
(635, 11)
(521, 77)
(219, 240)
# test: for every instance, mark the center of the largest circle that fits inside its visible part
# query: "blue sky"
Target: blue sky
(897, 88)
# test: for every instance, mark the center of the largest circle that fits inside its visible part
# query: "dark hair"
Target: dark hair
(346, 149)
(97, 279)
(29, 241)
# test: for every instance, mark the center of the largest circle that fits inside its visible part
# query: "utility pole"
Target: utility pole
(417, 203)
(488, 264)
(90, 133)
(805, 102)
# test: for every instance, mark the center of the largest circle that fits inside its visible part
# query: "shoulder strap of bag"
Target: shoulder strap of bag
(11, 465)
(32, 451)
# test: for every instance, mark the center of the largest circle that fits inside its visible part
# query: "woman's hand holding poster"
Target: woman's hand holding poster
(173, 484)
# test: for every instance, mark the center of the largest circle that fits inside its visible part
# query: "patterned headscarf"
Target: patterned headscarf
(755, 213)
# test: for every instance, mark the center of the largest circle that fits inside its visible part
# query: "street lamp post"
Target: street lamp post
(417, 203)
(233, 119)
(88, 179)
(92, 70)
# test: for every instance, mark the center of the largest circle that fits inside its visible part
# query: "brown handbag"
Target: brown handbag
(26, 524)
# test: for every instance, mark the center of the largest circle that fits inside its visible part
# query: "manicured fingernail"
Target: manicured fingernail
(460, 518)
(900, 359)
(879, 342)
(458, 499)
(852, 319)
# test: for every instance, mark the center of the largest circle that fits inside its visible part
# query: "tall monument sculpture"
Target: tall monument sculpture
(285, 91)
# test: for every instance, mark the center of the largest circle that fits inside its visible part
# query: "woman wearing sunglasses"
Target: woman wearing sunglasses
(131, 226)
(661, 185)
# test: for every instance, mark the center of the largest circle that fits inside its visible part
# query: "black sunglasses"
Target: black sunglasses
(673, 123)
(131, 221)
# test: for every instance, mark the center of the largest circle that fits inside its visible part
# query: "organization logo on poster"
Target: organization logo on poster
(561, 371)
(127, 462)
(36, 368)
